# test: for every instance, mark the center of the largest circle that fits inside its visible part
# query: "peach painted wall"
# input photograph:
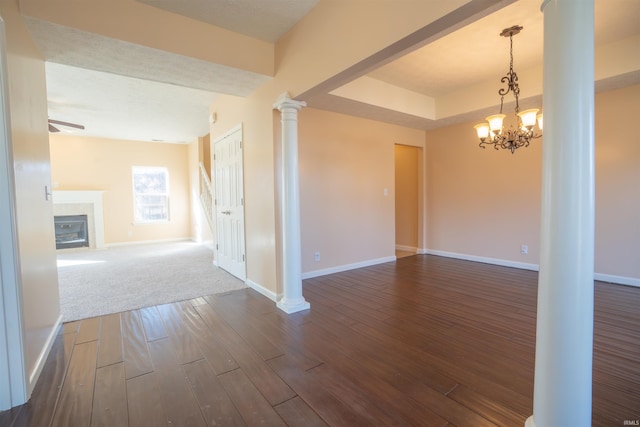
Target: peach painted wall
(482, 202)
(486, 203)
(34, 214)
(80, 163)
(256, 115)
(617, 183)
(346, 163)
(407, 167)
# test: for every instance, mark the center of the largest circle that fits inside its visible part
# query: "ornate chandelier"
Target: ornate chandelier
(492, 133)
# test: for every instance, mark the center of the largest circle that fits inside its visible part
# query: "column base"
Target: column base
(529, 422)
(293, 306)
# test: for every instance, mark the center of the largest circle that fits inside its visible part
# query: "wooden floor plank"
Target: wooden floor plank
(439, 368)
(76, 397)
(372, 340)
(110, 397)
(442, 405)
(425, 340)
(38, 411)
(330, 408)
(218, 357)
(7, 418)
(251, 299)
(153, 326)
(374, 411)
(89, 330)
(198, 301)
(178, 400)
(216, 406)
(70, 328)
(371, 376)
(270, 385)
(274, 327)
(143, 402)
(295, 412)
(237, 319)
(253, 407)
(136, 353)
(110, 346)
(184, 342)
(215, 353)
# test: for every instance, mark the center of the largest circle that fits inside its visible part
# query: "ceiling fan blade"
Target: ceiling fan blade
(71, 125)
(53, 129)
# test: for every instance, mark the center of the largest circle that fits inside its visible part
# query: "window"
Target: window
(150, 194)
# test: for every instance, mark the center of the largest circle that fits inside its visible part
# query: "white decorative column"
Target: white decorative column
(292, 300)
(564, 336)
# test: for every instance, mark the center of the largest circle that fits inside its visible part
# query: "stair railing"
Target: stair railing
(206, 195)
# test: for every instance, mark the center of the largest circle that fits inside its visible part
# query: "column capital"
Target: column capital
(284, 101)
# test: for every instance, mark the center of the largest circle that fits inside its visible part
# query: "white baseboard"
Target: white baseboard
(261, 289)
(486, 260)
(42, 357)
(145, 242)
(406, 248)
(346, 267)
(421, 251)
(620, 280)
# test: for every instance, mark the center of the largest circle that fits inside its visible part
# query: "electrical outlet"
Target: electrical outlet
(316, 256)
(524, 249)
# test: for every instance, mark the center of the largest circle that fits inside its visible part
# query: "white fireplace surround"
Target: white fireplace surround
(88, 202)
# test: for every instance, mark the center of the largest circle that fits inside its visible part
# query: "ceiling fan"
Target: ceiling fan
(54, 129)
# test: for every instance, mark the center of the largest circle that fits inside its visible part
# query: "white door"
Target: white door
(14, 381)
(229, 204)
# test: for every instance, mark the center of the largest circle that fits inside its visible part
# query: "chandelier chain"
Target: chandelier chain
(516, 88)
(511, 80)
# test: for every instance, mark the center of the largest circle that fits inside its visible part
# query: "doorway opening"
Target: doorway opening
(408, 188)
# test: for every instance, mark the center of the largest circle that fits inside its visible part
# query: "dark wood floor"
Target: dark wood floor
(425, 341)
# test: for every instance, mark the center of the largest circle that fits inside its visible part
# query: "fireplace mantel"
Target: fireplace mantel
(84, 197)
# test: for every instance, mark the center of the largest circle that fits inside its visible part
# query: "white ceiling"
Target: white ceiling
(477, 53)
(473, 54)
(119, 107)
(266, 20)
(127, 91)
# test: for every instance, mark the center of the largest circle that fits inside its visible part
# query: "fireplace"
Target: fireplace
(71, 231)
(83, 202)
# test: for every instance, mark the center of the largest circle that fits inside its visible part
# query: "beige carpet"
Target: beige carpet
(97, 282)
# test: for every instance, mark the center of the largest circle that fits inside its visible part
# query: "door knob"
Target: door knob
(226, 212)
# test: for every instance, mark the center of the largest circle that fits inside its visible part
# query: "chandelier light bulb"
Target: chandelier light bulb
(483, 130)
(539, 117)
(528, 118)
(495, 123)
